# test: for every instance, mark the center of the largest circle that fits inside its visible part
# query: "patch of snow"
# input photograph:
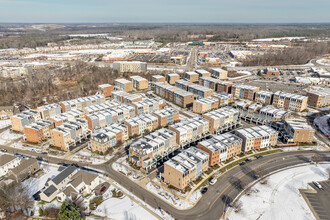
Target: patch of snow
(280, 197)
(325, 62)
(194, 197)
(4, 123)
(9, 135)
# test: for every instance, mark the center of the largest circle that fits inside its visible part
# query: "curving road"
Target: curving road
(211, 205)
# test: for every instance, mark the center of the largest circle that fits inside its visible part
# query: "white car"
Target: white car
(213, 181)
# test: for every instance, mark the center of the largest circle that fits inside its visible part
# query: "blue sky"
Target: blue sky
(153, 11)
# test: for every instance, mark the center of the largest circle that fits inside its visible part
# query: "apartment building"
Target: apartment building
(167, 116)
(107, 117)
(219, 74)
(185, 167)
(200, 91)
(119, 95)
(264, 97)
(192, 77)
(66, 116)
(244, 91)
(221, 148)
(103, 106)
(130, 66)
(224, 86)
(50, 110)
(297, 131)
(148, 105)
(147, 150)
(19, 121)
(318, 97)
(124, 84)
(81, 103)
(203, 73)
(190, 130)
(158, 78)
(105, 89)
(223, 98)
(171, 78)
(183, 84)
(201, 106)
(141, 124)
(108, 137)
(139, 82)
(209, 82)
(222, 119)
(38, 131)
(258, 137)
(69, 134)
(290, 101)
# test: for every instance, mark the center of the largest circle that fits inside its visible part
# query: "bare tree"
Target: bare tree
(317, 158)
(238, 205)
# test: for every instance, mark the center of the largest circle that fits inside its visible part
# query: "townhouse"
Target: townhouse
(139, 82)
(209, 82)
(223, 98)
(50, 110)
(290, 101)
(219, 74)
(270, 114)
(200, 91)
(7, 162)
(173, 94)
(147, 150)
(318, 97)
(167, 116)
(258, 137)
(124, 85)
(119, 95)
(148, 105)
(38, 131)
(297, 131)
(244, 91)
(105, 89)
(224, 86)
(190, 130)
(19, 121)
(183, 84)
(103, 106)
(192, 77)
(185, 167)
(131, 98)
(69, 134)
(203, 73)
(264, 97)
(108, 137)
(201, 106)
(171, 78)
(81, 103)
(141, 124)
(158, 78)
(24, 169)
(66, 116)
(222, 119)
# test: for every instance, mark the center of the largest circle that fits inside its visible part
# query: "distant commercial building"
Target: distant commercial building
(223, 98)
(272, 71)
(200, 91)
(185, 167)
(47, 111)
(173, 94)
(201, 106)
(209, 82)
(244, 91)
(167, 116)
(222, 119)
(81, 103)
(139, 82)
(297, 131)
(219, 74)
(264, 97)
(158, 78)
(141, 124)
(258, 137)
(147, 150)
(69, 134)
(203, 73)
(318, 97)
(192, 77)
(130, 66)
(290, 101)
(190, 130)
(124, 84)
(19, 121)
(148, 105)
(171, 78)
(224, 86)
(108, 137)
(38, 131)
(105, 89)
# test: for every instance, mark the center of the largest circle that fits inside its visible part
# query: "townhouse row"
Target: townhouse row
(217, 100)
(198, 90)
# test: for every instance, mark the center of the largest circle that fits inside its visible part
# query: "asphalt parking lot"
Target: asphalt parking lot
(319, 201)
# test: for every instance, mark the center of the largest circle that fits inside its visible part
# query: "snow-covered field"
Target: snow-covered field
(325, 62)
(4, 123)
(280, 197)
(8, 135)
(86, 156)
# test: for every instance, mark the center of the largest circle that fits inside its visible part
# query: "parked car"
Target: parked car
(248, 160)
(213, 181)
(204, 190)
(242, 163)
(3, 150)
(317, 184)
(259, 156)
(103, 189)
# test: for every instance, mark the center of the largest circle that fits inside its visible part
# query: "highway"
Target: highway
(211, 205)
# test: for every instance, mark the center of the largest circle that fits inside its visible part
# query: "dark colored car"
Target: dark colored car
(44, 153)
(242, 163)
(247, 160)
(3, 150)
(259, 157)
(204, 190)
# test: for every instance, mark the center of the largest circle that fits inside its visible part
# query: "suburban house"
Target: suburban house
(8, 162)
